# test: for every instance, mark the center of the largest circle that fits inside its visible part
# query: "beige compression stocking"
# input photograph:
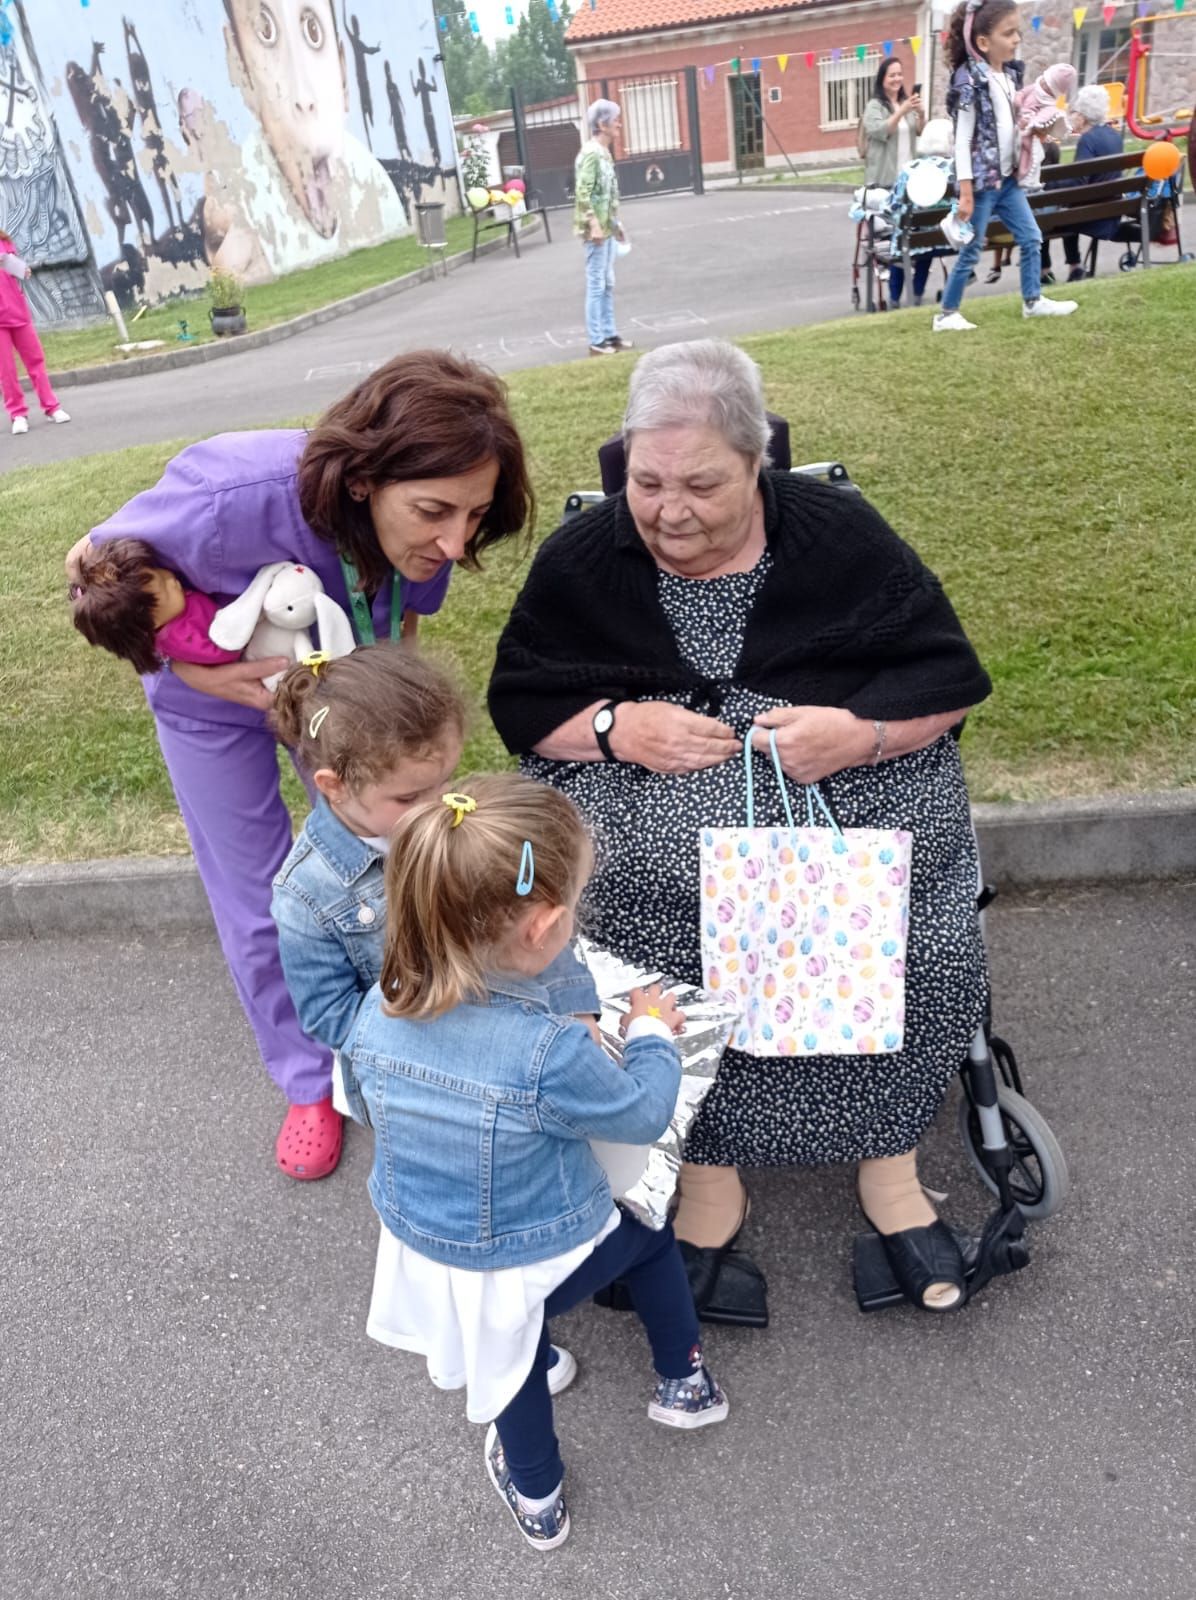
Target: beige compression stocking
(893, 1200)
(712, 1206)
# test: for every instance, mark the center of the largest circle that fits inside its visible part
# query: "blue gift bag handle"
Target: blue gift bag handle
(812, 792)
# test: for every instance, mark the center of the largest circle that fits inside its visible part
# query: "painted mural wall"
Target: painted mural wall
(252, 136)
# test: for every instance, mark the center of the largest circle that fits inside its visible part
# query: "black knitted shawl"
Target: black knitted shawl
(848, 616)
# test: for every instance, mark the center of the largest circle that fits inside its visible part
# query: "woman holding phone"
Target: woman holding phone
(889, 132)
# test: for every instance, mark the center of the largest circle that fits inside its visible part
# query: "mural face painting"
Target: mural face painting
(235, 134)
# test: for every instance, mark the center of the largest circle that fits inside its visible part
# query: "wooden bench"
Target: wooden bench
(485, 220)
(1082, 192)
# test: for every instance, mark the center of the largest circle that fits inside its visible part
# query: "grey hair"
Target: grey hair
(601, 111)
(707, 382)
(1092, 103)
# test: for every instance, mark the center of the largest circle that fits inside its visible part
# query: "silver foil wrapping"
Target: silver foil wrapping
(645, 1179)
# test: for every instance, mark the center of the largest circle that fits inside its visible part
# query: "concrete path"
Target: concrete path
(728, 263)
(192, 1407)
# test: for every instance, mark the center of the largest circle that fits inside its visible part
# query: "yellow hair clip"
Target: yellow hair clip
(316, 660)
(460, 805)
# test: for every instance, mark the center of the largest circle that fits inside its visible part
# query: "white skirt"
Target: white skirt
(476, 1330)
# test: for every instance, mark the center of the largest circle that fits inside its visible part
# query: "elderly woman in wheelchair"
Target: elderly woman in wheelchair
(716, 601)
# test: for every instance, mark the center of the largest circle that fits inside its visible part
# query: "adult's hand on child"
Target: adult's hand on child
(239, 681)
(668, 738)
(814, 741)
(651, 1002)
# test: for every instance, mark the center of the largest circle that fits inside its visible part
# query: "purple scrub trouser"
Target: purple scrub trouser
(226, 781)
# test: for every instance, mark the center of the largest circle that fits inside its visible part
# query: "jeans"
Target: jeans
(921, 273)
(650, 1264)
(1010, 204)
(600, 290)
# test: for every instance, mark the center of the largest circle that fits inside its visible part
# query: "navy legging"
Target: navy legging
(650, 1265)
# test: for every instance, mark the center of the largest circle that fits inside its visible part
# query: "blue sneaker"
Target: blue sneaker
(562, 1369)
(688, 1402)
(543, 1530)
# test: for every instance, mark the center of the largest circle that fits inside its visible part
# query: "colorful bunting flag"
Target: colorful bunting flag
(1036, 23)
(734, 63)
(443, 21)
(1143, 8)
(755, 63)
(809, 58)
(510, 16)
(915, 42)
(1179, 5)
(861, 50)
(473, 22)
(708, 73)
(887, 46)
(782, 62)
(1108, 12)
(1078, 13)
(836, 54)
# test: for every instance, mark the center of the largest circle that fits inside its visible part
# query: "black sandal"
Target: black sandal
(728, 1287)
(922, 1256)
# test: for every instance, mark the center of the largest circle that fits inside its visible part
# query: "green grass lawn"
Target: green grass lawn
(265, 305)
(1047, 472)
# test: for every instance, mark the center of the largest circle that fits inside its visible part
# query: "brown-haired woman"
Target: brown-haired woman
(418, 468)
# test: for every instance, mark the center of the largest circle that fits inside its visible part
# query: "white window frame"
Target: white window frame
(648, 108)
(1087, 53)
(845, 86)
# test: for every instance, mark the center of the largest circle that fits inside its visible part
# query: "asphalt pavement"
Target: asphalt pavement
(727, 263)
(192, 1407)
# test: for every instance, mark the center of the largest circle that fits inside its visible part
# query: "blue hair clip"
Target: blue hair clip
(527, 870)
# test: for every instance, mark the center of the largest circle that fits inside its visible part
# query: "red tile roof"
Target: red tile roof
(610, 18)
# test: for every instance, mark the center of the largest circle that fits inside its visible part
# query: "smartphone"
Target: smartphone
(917, 88)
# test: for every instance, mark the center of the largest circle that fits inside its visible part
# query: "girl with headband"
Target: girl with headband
(982, 46)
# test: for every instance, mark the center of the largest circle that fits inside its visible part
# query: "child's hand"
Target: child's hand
(590, 1023)
(652, 1003)
(966, 202)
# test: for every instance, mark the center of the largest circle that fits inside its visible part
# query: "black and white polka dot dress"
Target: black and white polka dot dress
(642, 903)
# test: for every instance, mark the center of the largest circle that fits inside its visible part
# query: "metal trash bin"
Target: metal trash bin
(431, 224)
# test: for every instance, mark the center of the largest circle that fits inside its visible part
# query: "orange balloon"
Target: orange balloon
(1161, 160)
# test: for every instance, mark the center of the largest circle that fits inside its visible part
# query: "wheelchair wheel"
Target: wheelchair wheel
(1038, 1180)
(1128, 262)
(855, 299)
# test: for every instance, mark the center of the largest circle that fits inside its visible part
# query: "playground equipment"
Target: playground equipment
(1155, 38)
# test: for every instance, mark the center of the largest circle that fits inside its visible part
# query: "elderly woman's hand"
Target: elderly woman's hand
(668, 738)
(814, 741)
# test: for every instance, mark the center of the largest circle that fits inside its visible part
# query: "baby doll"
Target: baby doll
(128, 604)
(1039, 119)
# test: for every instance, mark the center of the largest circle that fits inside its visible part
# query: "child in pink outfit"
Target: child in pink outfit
(18, 337)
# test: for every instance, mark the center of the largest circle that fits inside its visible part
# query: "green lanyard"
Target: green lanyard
(362, 616)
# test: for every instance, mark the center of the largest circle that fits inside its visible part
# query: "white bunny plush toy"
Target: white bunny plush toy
(274, 616)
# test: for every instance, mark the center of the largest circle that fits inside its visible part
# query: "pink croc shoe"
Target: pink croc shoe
(309, 1142)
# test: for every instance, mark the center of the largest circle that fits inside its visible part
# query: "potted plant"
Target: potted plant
(227, 313)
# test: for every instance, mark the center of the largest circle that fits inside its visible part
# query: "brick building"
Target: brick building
(781, 84)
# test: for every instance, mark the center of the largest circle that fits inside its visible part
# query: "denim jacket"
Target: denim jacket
(331, 916)
(481, 1119)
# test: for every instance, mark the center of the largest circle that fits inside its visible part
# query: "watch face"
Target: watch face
(604, 720)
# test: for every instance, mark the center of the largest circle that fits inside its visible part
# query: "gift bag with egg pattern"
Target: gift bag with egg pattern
(807, 925)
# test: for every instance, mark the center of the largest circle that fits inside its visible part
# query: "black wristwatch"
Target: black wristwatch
(602, 724)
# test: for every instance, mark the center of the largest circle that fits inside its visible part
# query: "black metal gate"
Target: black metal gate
(658, 151)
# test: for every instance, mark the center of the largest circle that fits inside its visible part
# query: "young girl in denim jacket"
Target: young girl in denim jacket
(983, 42)
(482, 1102)
(378, 731)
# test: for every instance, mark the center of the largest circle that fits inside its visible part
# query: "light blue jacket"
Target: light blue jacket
(482, 1118)
(331, 916)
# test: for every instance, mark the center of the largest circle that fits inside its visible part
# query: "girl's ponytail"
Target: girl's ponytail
(362, 714)
(457, 875)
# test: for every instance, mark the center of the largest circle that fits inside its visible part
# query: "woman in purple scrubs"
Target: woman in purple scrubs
(418, 467)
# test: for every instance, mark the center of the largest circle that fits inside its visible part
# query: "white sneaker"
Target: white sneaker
(952, 322)
(562, 1369)
(59, 416)
(20, 424)
(1042, 307)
